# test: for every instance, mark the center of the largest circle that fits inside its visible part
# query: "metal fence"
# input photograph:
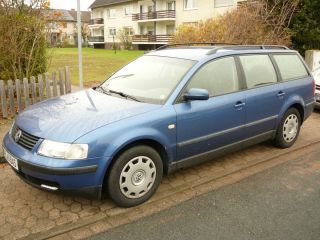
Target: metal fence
(17, 95)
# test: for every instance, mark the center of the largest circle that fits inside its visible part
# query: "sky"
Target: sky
(69, 4)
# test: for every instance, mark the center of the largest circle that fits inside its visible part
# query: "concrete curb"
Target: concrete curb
(117, 217)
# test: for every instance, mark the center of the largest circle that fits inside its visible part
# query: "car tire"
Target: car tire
(288, 129)
(135, 176)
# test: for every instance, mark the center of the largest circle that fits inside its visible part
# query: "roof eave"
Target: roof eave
(109, 4)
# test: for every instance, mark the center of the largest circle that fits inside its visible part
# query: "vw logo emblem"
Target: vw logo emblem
(17, 136)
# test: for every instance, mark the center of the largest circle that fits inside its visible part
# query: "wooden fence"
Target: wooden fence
(16, 96)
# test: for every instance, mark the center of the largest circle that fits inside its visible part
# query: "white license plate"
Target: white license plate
(11, 159)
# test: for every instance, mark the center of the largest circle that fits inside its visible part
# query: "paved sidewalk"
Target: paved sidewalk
(35, 214)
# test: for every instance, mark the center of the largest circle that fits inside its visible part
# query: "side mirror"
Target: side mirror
(196, 94)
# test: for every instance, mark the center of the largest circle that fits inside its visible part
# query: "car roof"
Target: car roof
(198, 53)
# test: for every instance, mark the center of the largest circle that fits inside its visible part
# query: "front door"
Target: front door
(205, 126)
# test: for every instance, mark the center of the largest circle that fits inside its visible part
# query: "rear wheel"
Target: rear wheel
(288, 129)
(135, 176)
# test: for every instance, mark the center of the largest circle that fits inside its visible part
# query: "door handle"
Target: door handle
(239, 104)
(281, 94)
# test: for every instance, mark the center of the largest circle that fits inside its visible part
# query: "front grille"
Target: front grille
(26, 140)
(318, 87)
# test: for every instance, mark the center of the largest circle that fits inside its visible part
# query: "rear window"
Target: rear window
(291, 67)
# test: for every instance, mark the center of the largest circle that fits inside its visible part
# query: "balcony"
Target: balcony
(151, 39)
(96, 21)
(96, 39)
(158, 15)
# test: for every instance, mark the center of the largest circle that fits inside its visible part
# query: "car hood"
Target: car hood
(69, 117)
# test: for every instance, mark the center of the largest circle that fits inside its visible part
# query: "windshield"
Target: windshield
(148, 79)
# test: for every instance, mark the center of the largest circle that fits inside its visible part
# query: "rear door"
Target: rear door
(204, 126)
(264, 95)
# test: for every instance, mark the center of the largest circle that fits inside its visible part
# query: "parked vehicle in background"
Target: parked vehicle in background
(169, 109)
(316, 75)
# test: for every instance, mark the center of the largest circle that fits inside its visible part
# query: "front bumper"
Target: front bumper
(80, 177)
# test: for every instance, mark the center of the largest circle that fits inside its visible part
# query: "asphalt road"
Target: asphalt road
(280, 203)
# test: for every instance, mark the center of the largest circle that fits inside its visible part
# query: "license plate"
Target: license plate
(11, 159)
(318, 96)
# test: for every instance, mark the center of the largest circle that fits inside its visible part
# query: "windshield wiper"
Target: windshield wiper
(124, 95)
(109, 91)
(122, 76)
(104, 90)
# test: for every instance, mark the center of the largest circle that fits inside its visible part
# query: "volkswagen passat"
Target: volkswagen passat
(167, 110)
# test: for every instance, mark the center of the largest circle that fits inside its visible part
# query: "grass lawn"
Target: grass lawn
(98, 64)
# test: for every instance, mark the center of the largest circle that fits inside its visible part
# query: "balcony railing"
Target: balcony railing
(96, 39)
(154, 15)
(152, 38)
(96, 21)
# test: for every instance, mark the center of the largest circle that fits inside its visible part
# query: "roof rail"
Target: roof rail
(247, 47)
(194, 44)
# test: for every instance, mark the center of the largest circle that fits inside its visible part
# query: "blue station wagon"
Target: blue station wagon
(169, 109)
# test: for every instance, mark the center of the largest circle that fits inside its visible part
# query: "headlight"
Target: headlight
(63, 150)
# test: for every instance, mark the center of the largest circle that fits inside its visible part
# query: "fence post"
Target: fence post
(61, 81)
(33, 90)
(11, 97)
(54, 84)
(40, 81)
(48, 92)
(68, 80)
(18, 92)
(26, 92)
(3, 99)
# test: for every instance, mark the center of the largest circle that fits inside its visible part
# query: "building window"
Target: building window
(190, 4)
(128, 31)
(171, 5)
(150, 30)
(127, 10)
(111, 13)
(223, 3)
(150, 8)
(170, 29)
(112, 31)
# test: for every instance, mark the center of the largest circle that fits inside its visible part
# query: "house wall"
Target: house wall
(204, 9)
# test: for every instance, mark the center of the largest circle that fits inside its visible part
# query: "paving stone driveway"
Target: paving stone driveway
(28, 212)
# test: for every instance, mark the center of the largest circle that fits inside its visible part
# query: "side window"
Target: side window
(258, 70)
(218, 77)
(291, 67)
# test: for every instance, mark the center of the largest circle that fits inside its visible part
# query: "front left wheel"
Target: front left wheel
(135, 176)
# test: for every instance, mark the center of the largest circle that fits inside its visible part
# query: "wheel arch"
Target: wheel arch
(300, 108)
(294, 102)
(160, 148)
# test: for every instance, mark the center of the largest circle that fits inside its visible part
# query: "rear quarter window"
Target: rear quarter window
(290, 67)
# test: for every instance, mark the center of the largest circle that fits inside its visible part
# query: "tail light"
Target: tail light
(314, 88)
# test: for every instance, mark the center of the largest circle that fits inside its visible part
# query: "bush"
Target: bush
(254, 22)
(125, 39)
(23, 39)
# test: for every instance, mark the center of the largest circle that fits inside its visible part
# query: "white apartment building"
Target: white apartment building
(150, 23)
